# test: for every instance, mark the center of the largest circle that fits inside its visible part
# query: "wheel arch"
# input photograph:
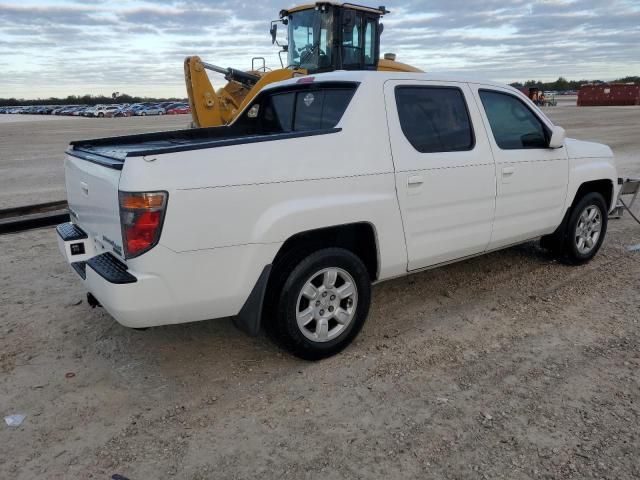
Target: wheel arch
(604, 186)
(359, 238)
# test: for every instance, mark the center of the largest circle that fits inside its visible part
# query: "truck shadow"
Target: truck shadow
(211, 347)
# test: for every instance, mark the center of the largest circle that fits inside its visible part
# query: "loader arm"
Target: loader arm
(211, 108)
(208, 106)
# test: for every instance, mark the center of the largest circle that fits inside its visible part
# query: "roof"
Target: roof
(297, 8)
(369, 76)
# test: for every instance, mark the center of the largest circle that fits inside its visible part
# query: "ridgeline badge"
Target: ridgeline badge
(308, 99)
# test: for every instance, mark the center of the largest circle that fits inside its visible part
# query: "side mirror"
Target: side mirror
(273, 31)
(557, 137)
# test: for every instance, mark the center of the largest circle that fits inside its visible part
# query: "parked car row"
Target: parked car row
(115, 110)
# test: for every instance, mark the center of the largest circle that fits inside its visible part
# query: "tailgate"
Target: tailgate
(92, 193)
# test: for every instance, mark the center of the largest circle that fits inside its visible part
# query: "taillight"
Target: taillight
(141, 216)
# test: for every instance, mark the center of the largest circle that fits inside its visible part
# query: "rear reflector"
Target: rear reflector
(141, 216)
(142, 200)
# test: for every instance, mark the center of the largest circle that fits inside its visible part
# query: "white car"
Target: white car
(105, 111)
(324, 185)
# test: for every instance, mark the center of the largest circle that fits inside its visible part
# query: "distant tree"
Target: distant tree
(630, 79)
(560, 84)
(563, 84)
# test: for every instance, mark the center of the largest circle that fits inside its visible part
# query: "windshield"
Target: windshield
(310, 39)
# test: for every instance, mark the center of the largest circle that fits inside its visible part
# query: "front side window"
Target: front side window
(434, 119)
(513, 124)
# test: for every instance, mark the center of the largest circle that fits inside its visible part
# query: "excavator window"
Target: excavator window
(370, 43)
(333, 37)
(359, 35)
(351, 40)
(310, 39)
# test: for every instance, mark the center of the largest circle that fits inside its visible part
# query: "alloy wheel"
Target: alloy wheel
(588, 229)
(326, 304)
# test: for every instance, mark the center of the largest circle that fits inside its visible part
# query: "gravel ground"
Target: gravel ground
(508, 365)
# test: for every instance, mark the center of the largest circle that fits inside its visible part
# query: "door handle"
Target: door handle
(507, 171)
(84, 187)
(415, 180)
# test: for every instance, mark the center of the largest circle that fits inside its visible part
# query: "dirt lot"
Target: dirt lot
(505, 366)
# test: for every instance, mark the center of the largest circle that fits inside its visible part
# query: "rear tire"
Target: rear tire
(583, 232)
(317, 304)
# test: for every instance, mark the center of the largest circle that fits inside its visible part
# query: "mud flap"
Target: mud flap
(248, 320)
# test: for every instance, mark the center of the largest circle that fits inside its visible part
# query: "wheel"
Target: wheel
(584, 231)
(160, 113)
(318, 303)
(100, 115)
(143, 114)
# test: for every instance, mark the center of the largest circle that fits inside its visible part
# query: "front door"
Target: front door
(445, 173)
(532, 178)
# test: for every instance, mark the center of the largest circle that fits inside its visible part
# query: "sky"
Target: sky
(59, 48)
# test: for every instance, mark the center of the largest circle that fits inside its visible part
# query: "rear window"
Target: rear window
(435, 119)
(298, 111)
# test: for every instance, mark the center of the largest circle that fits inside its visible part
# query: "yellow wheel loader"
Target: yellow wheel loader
(322, 37)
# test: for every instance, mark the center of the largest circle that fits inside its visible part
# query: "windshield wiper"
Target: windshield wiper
(315, 46)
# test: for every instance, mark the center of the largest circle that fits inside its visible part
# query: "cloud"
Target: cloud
(103, 45)
(15, 15)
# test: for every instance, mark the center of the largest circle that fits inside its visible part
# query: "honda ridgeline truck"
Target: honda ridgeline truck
(324, 185)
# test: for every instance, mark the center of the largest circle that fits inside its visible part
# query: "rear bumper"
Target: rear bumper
(164, 287)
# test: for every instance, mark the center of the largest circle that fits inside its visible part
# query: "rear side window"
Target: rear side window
(320, 109)
(514, 126)
(298, 111)
(277, 112)
(435, 119)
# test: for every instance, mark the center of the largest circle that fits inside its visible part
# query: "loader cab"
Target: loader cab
(327, 36)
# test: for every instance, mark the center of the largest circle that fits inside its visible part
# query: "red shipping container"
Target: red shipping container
(609, 94)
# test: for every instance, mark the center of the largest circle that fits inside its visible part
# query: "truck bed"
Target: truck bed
(112, 151)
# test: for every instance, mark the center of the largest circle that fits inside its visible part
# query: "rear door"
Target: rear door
(445, 173)
(532, 178)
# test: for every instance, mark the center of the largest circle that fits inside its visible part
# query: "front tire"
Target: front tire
(583, 232)
(318, 303)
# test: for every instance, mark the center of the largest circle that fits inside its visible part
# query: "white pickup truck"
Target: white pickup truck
(323, 186)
